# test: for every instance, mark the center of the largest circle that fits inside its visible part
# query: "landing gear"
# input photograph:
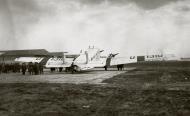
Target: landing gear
(74, 69)
(120, 67)
(106, 68)
(67, 69)
(71, 69)
(60, 69)
(52, 69)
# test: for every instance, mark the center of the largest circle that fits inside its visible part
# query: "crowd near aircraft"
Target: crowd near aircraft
(87, 60)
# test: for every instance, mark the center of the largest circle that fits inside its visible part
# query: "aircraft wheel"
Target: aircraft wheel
(74, 69)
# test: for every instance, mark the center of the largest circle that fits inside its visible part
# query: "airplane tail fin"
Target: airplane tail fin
(92, 54)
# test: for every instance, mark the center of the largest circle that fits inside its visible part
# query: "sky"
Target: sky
(130, 27)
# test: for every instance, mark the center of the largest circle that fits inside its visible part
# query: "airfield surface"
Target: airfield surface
(90, 77)
(144, 91)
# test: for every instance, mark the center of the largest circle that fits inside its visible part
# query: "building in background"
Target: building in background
(9, 56)
(158, 57)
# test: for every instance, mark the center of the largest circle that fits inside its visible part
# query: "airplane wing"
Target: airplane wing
(29, 59)
(103, 62)
(59, 62)
(122, 60)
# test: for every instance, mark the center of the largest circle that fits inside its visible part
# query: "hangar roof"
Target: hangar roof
(35, 52)
(32, 52)
(60, 54)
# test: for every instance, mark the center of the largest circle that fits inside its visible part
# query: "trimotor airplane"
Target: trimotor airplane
(89, 59)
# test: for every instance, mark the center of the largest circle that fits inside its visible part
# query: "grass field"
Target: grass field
(145, 91)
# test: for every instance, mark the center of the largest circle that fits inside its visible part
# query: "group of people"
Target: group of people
(12, 67)
(35, 68)
(32, 68)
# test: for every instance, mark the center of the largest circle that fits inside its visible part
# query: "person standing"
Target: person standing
(1, 68)
(72, 68)
(41, 68)
(24, 67)
(30, 68)
(118, 67)
(36, 68)
(106, 68)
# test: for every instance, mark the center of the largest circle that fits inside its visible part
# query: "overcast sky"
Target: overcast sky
(132, 27)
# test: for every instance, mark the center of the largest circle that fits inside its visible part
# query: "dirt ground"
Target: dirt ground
(90, 77)
(145, 91)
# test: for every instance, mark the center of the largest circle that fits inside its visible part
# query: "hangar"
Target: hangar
(9, 56)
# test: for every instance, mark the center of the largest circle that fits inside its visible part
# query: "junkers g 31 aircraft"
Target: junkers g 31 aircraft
(89, 59)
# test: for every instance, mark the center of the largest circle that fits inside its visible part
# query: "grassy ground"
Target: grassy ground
(146, 91)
